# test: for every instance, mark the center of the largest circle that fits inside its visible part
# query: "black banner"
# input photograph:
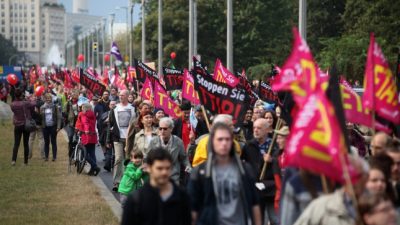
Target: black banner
(173, 78)
(220, 98)
(143, 71)
(92, 84)
(267, 94)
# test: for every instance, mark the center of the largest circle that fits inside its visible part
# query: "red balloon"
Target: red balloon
(12, 79)
(173, 55)
(81, 58)
(39, 91)
(107, 57)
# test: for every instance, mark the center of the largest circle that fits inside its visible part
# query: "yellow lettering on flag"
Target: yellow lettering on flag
(1, 70)
(219, 77)
(308, 65)
(316, 154)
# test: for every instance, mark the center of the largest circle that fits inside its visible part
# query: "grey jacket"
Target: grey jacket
(176, 149)
(56, 114)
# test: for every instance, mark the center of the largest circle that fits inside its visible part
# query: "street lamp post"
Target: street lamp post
(103, 26)
(131, 5)
(160, 44)
(143, 32)
(112, 16)
(303, 18)
(127, 26)
(190, 33)
(194, 27)
(93, 31)
(229, 36)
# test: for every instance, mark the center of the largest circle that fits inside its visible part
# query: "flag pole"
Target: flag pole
(278, 126)
(205, 117)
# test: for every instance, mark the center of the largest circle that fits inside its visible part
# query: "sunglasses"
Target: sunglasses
(163, 128)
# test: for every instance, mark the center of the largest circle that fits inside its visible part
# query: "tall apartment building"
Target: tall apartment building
(31, 23)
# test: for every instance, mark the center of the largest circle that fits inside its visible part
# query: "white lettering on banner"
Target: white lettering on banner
(238, 94)
(172, 71)
(294, 141)
(308, 113)
(211, 87)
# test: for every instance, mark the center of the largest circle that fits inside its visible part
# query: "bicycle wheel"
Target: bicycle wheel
(71, 161)
(80, 159)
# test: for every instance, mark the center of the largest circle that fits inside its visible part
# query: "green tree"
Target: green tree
(7, 50)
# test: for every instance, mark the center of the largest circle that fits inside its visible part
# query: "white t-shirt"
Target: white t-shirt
(124, 115)
(48, 115)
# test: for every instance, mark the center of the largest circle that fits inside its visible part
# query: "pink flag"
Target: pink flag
(352, 105)
(316, 140)
(75, 75)
(222, 74)
(380, 90)
(188, 91)
(147, 90)
(162, 100)
(300, 74)
(131, 76)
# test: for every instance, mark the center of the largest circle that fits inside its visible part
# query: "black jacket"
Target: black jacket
(252, 155)
(202, 194)
(200, 129)
(145, 207)
(112, 130)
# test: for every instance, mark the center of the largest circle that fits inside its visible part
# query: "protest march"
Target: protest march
(195, 146)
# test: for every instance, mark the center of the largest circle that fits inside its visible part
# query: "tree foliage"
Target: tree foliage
(7, 50)
(337, 30)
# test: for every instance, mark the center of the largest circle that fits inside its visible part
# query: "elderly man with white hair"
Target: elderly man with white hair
(173, 145)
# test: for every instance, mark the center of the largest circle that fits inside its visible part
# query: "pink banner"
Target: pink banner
(300, 74)
(188, 91)
(222, 74)
(316, 140)
(162, 100)
(352, 105)
(380, 90)
(147, 90)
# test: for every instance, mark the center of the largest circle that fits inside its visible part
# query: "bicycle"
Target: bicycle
(78, 156)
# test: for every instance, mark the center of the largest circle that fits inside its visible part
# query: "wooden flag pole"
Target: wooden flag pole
(205, 117)
(278, 126)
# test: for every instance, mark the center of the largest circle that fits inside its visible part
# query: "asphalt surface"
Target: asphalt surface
(106, 177)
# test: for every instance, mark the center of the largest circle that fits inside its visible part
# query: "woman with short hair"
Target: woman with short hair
(51, 117)
(86, 124)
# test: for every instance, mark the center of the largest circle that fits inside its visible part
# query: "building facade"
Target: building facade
(29, 25)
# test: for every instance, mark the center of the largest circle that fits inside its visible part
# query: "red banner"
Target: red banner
(75, 75)
(222, 74)
(173, 78)
(380, 90)
(131, 76)
(147, 90)
(316, 140)
(163, 101)
(143, 71)
(188, 91)
(92, 84)
(300, 74)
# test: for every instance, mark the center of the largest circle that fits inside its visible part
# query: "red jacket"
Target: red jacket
(86, 123)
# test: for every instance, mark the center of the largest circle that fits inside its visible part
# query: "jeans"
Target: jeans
(270, 214)
(50, 134)
(91, 155)
(119, 160)
(19, 132)
(37, 134)
(70, 133)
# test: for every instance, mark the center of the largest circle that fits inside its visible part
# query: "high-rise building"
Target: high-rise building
(80, 6)
(32, 24)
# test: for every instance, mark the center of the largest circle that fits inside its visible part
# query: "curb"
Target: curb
(104, 192)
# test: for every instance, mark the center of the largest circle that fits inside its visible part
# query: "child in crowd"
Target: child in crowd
(134, 176)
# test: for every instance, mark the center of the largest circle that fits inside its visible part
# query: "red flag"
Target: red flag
(33, 75)
(380, 90)
(188, 91)
(147, 90)
(162, 100)
(222, 74)
(316, 140)
(117, 80)
(67, 80)
(76, 76)
(131, 76)
(300, 74)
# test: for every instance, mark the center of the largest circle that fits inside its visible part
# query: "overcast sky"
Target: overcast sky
(105, 7)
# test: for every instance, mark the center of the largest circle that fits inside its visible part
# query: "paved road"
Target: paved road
(105, 176)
